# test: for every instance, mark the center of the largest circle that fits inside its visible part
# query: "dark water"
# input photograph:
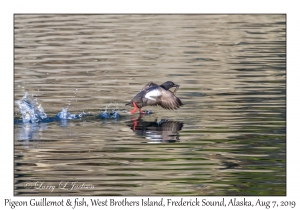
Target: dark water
(228, 139)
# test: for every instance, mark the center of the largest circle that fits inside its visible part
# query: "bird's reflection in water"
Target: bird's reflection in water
(164, 131)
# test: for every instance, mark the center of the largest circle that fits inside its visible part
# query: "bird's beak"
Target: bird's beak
(177, 87)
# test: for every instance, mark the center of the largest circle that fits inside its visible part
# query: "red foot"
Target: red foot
(133, 111)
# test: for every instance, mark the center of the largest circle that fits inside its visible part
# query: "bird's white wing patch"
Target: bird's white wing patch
(153, 94)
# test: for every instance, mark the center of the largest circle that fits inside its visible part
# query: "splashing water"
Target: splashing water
(113, 114)
(109, 115)
(65, 115)
(31, 110)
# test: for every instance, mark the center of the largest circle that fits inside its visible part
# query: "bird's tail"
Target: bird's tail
(128, 103)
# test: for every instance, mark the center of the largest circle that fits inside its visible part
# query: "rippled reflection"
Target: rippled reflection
(29, 131)
(156, 132)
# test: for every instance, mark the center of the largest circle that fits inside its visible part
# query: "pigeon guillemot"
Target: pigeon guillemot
(153, 94)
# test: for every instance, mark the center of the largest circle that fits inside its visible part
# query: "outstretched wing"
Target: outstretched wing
(149, 85)
(169, 101)
(138, 98)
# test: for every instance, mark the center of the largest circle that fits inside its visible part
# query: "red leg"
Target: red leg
(135, 108)
(135, 123)
(133, 111)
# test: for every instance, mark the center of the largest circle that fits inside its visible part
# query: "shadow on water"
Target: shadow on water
(164, 131)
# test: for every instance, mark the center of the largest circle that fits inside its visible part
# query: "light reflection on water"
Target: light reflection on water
(228, 139)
